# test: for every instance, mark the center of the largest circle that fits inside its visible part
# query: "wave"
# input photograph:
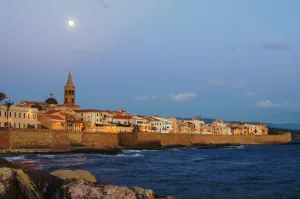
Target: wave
(14, 158)
(131, 155)
(198, 159)
(45, 156)
(235, 147)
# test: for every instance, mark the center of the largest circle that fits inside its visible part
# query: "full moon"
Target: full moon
(71, 23)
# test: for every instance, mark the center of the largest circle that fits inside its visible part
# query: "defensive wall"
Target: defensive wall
(47, 140)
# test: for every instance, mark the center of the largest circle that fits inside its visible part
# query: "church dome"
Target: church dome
(51, 100)
(39, 107)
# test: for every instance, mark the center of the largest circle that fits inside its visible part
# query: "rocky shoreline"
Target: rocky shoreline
(22, 182)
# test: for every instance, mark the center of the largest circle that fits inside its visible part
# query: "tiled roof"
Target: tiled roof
(122, 117)
(90, 110)
(55, 117)
(52, 111)
(34, 102)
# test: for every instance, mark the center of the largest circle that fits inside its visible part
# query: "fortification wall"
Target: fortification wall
(35, 139)
(194, 139)
(100, 140)
(75, 138)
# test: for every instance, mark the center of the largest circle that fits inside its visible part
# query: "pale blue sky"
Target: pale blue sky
(232, 60)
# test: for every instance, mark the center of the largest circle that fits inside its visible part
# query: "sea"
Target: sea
(256, 172)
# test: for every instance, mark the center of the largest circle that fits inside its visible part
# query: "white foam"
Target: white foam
(14, 158)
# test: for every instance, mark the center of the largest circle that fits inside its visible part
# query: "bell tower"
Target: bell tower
(69, 91)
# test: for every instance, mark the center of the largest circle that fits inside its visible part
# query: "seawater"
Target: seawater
(266, 171)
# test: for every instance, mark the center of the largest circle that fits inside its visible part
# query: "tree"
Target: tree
(2, 97)
(8, 104)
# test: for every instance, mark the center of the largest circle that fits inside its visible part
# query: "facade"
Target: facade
(18, 117)
(207, 129)
(121, 120)
(141, 123)
(167, 125)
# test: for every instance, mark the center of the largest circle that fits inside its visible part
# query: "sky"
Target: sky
(230, 60)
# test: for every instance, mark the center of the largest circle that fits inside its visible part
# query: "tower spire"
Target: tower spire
(69, 81)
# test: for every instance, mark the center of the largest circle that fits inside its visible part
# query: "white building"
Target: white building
(92, 118)
(155, 124)
(18, 117)
(167, 125)
(121, 119)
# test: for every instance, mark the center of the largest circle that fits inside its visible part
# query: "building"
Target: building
(141, 123)
(221, 128)
(49, 104)
(69, 97)
(207, 129)
(156, 125)
(92, 118)
(121, 120)
(166, 125)
(59, 120)
(18, 117)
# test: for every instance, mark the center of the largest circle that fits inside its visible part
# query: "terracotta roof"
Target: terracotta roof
(122, 117)
(34, 102)
(90, 110)
(52, 111)
(55, 117)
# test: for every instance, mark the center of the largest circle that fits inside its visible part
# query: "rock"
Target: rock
(77, 174)
(142, 193)
(46, 184)
(15, 184)
(88, 191)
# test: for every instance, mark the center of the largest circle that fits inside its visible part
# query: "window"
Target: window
(0, 113)
(72, 100)
(70, 92)
(9, 114)
(5, 113)
(19, 125)
(97, 120)
(15, 114)
(19, 115)
(24, 115)
(66, 92)
(62, 124)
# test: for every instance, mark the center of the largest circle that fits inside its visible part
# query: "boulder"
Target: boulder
(76, 174)
(46, 184)
(86, 190)
(142, 193)
(15, 184)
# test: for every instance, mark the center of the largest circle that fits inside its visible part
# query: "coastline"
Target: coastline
(47, 141)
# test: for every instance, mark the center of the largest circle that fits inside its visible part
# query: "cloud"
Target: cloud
(182, 97)
(267, 104)
(251, 94)
(275, 46)
(224, 84)
(146, 98)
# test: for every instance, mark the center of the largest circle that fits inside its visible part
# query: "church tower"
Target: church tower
(69, 91)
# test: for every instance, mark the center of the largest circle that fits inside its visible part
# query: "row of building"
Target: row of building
(68, 116)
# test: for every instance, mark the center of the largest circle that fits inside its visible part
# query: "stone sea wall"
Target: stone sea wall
(35, 139)
(194, 139)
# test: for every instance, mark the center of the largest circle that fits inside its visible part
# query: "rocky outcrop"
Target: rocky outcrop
(142, 193)
(77, 174)
(46, 184)
(21, 182)
(15, 184)
(84, 189)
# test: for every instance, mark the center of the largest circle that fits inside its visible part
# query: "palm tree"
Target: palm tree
(8, 104)
(2, 97)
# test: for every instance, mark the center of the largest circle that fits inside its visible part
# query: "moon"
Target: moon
(71, 23)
